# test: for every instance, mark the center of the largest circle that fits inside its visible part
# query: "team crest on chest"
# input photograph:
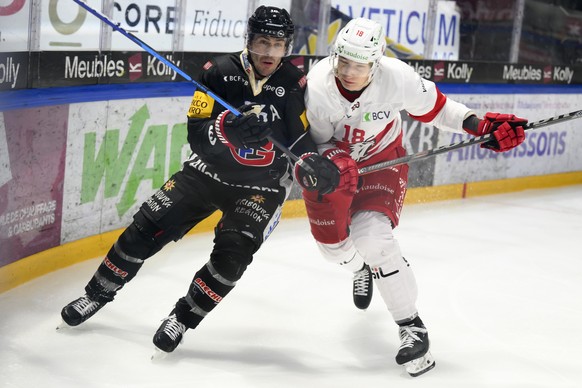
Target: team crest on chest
(255, 157)
(361, 149)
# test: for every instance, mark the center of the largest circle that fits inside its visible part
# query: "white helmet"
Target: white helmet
(361, 40)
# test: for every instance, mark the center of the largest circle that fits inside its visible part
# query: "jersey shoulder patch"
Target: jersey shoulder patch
(207, 65)
(302, 82)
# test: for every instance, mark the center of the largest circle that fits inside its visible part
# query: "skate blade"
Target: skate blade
(421, 365)
(158, 355)
(63, 325)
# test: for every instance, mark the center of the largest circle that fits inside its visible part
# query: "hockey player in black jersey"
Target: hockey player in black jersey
(234, 167)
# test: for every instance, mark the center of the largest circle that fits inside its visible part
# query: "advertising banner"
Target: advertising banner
(219, 25)
(549, 150)
(496, 73)
(118, 154)
(14, 25)
(64, 25)
(13, 70)
(215, 26)
(406, 23)
(5, 168)
(31, 180)
(89, 68)
(76, 68)
(418, 137)
(306, 38)
(154, 22)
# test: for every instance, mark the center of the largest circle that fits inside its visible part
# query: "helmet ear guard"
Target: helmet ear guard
(271, 21)
(361, 40)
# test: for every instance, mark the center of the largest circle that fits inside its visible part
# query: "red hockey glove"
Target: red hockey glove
(245, 131)
(507, 131)
(320, 174)
(347, 167)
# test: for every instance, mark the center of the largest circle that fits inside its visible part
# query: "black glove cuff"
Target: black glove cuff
(471, 123)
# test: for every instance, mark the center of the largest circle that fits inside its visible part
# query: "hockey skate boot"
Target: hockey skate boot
(414, 351)
(169, 334)
(363, 287)
(79, 310)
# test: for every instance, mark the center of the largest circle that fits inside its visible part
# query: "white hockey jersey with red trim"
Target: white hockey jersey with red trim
(372, 122)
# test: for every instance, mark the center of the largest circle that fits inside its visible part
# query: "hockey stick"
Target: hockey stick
(476, 140)
(173, 66)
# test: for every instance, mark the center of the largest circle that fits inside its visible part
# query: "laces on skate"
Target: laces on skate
(168, 336)
(79, 310)
(414, 351)
(363, 288)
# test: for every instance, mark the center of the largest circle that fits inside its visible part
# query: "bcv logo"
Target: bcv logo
(373, 116)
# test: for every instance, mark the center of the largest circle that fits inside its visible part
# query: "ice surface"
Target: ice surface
(500, 290)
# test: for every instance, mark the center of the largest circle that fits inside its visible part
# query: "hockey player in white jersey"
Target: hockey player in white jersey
(354, 98)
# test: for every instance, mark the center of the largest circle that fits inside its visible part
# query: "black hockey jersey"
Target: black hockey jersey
(281, 97)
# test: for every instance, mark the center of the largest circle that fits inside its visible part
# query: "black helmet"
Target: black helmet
(271, 21)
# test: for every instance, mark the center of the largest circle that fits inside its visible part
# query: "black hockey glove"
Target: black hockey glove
(245, 131)
(316, 173)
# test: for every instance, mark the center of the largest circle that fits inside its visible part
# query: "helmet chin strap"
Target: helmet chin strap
(374, 69)
(256, 79)
(253, 67)
(258, 75)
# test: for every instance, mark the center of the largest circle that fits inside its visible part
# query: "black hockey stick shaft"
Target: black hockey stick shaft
(173, 66)
(451, 147)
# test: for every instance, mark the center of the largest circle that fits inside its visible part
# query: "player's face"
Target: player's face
(266, 53)
(353, 76)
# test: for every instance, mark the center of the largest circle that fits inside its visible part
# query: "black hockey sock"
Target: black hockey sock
(115, 270)
(415, 322)
(204, 293)
(186, 316)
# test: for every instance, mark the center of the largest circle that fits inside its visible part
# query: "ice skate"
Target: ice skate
(414, 351)
(168, 336)
(79, 310)
(363, 288)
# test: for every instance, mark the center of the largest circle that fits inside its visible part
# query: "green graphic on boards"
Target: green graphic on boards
(121, 164)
